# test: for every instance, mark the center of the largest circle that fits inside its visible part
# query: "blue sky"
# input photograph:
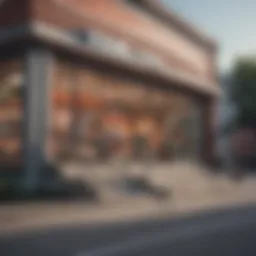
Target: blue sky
(231, 22)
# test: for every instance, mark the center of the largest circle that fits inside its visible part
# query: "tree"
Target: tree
(243, 91)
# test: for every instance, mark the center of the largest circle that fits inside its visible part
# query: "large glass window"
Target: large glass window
(97, 117)
(11, 112)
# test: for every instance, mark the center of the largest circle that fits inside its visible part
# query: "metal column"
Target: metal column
(37, 84)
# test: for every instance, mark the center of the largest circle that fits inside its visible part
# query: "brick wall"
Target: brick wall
(131, 25)
(14, 12)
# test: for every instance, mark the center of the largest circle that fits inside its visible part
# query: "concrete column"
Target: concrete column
(196, 130)
(37, 75)
(209, 131)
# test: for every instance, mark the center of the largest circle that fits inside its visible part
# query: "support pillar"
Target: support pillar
(209, 131)
(38, 73)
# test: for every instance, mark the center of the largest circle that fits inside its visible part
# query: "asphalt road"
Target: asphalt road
(229, 232)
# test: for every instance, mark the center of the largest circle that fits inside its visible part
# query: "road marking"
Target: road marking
(147, 241)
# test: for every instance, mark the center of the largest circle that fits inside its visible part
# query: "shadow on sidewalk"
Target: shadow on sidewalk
(51, 186)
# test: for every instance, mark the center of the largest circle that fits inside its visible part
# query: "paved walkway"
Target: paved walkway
(194, 189)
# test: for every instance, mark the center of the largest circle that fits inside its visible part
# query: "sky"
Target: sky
(231, 22)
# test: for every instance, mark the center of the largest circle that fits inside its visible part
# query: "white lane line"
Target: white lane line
(139, 243)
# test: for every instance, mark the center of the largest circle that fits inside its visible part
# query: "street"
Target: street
(224, 232)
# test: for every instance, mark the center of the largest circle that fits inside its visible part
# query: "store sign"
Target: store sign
(118, 48)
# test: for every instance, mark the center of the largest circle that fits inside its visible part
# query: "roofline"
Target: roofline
(54, 36)
(174, 18)
(159, 9)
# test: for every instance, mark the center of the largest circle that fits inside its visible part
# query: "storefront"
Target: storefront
(91, 90)
(96, 116)
(74, 110)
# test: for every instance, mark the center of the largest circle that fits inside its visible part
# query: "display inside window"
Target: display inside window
(11, 112)
(97, 117)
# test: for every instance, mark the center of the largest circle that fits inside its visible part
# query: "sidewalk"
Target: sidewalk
(194, 190)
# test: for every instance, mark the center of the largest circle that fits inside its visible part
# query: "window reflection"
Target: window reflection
(11, 112)
(98, 117)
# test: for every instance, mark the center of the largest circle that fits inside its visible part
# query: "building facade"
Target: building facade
(98, 80)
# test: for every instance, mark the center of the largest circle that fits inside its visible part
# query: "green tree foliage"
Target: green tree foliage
(243, 90)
